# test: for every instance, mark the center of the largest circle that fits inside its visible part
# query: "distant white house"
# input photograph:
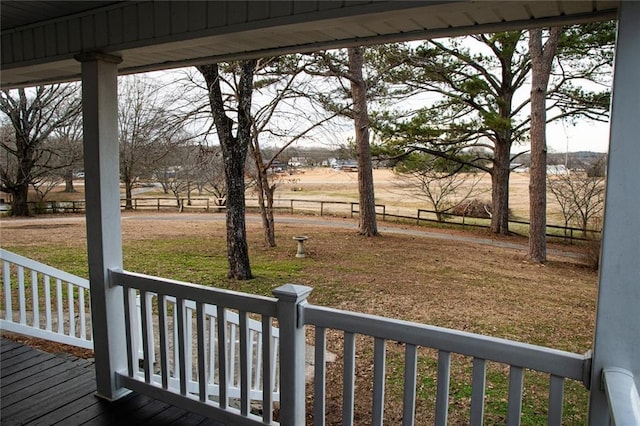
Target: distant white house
(557, 169)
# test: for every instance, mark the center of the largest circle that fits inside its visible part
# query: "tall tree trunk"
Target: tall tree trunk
(128, 194)
(500, 188)
(234, 154)
(20, 206)
(367, 218)
(68, 182)
(20, 198)
(237, 247)
(541, 60)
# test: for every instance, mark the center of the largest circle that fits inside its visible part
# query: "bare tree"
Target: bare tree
(283, 77)
(66, 142)
(581, 197)
(34, 114)
(234, 137)
(428, 179)
(148, 130)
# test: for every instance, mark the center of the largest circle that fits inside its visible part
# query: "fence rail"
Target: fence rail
(320, 207)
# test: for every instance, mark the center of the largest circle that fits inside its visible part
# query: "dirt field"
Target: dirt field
(397, 194)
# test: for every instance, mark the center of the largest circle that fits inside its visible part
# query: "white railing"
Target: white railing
(54, 305)
(622, 395)
(217, 352)
(519, 357)
(200, 349)
(232, 320)
(44, 302)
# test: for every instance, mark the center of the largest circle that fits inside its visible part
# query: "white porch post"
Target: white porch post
(617, 333)
(104, 239)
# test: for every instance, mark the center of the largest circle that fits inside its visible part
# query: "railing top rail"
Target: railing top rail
(42, 268)
(227, 298)
(552, 361)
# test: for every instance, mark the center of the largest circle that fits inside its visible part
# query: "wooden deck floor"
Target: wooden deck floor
(39, 388)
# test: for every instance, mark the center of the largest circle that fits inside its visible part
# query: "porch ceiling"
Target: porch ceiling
(40, 39)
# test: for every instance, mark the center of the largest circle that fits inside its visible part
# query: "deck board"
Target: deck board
(39, 388)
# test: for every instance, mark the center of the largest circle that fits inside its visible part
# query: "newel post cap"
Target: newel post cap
(292, 292)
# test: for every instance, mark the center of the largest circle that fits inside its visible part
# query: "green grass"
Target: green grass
(200, 261)
(339, 274)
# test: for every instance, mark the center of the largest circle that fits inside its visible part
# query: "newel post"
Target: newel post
(102, 197)
(291, 301)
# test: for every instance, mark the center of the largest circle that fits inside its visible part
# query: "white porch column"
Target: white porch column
(617, 333)
(104, 237)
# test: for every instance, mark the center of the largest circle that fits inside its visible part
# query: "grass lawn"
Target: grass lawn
(465, 286)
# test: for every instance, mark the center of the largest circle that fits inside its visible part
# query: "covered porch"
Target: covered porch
(45, 42)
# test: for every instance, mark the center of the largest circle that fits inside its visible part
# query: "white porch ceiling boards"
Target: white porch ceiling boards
(40, 39)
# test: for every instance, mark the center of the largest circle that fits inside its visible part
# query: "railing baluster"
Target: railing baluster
(222, 357)
(130, 312)
(349, 377)
(442, 395)
(556, 391)
(245, 373)
(213, 348)
(319, 378)
(234, 380)
(275, 354)
(410, 370)
(176, 355)
(83, 320)
(267, 360)
(21, 296)
(188, 345)
(152, 346)
(202, 369)
(6, 272)
(256, 342)
(72, 315)
(59, 305)
(182, 362)
(514, 410)
(35, 298)
(146, 361)
(164, 349)
(478, 384)
(47, 301)
(379, 360)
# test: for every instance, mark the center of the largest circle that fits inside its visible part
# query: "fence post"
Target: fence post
(291, 206)
(291, 299)
(321, 208)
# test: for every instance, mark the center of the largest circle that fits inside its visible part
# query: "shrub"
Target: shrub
(473, 208)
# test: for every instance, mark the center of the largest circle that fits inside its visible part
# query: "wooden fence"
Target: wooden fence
(321, 208)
